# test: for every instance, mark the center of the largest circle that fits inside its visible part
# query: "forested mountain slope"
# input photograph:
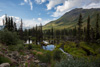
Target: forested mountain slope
(70, 19)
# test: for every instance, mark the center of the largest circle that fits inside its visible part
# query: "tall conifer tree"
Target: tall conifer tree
(97, 27)
(88, 38)
(80, 27)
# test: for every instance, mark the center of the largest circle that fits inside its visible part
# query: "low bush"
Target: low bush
(18, 47)
(45, 57)
(57, 54)
(59, 45)
(82, 62)
(71, 48)
(30, 47)
(71, 44)
(87, 47)
(4, 59)
(9, 38)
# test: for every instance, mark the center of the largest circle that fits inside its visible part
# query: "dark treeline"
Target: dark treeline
(79, 33)
(10, 25)
(34, 33)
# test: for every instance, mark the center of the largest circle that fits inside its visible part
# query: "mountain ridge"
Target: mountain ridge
(70, 19)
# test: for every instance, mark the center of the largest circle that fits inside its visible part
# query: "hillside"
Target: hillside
(69, 20)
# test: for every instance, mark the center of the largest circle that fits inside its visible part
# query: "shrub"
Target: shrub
(86, 47)
(36, 46)
(4, 59)
(8, 38)
(98, 41)
(71, 48)
(82, 62)
(46, 57)
(18, 47)
(71, 44)
(59, 45)
(53, 63)
(57, 54)
(30, 47)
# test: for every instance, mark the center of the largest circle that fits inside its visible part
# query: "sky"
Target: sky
(41, 11)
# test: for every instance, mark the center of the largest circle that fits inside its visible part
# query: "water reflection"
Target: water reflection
(49, 47)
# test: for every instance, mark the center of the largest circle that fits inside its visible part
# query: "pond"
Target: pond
(52, 47)
(49, 47)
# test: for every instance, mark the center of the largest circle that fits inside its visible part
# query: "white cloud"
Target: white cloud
(33, 22)
(40, 1)
(1, 19)
(22, 4)
(39, 19)
(92, 5)
(53, 3)
(31, 4)
(67, 5)
(28, 2)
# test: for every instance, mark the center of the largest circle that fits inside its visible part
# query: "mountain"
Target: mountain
(70, 19)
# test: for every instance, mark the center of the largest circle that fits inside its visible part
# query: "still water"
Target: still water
(49, 47)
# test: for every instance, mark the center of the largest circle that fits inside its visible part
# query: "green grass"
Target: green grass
(82, 49)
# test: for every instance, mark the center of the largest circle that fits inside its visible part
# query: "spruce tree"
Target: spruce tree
(6, 22)
(15, 27)
(41, 33)
(11, 24)
(75, 31)
(92, 35)
(80, 27)
(97, 27)
(36, 35)
(21, 30)
(88, 38)
(52, 33)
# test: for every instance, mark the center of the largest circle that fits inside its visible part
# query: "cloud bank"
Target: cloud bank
(29, 23)
(63, 6)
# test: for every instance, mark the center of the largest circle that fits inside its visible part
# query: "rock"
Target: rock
(30, 57)
(43, 64)
(36, 61)
(15, 53)
(27, 57)
(11, 59)
(5, 65)
(9, 55)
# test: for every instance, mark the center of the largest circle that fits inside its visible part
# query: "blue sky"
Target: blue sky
(41, 11)
(14, 8)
